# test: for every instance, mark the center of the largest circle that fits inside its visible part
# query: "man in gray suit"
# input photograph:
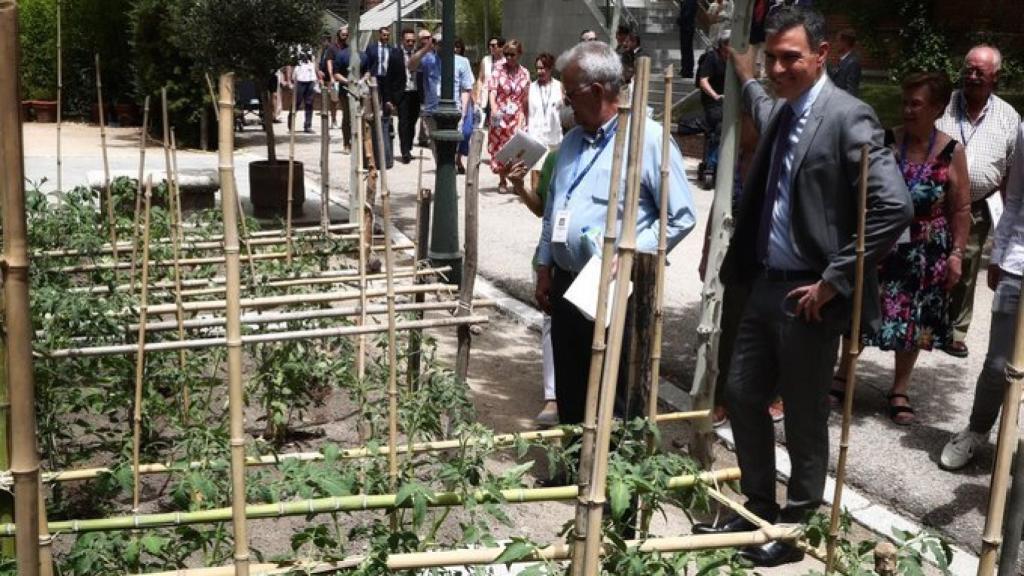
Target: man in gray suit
(794, 249)
(846, 73)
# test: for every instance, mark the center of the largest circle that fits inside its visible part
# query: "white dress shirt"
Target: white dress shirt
(545, 112)
(1008, 243)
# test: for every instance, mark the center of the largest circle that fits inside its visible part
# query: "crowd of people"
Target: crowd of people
(936, 187)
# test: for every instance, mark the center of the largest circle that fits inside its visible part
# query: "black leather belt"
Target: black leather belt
(773, 275)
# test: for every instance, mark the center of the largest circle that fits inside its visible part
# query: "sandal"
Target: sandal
(902, 415)
(837, 396)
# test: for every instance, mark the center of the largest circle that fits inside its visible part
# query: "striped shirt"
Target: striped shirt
(989, 141)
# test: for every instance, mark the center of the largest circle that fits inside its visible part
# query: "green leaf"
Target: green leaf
(517, 550)
(618, 493)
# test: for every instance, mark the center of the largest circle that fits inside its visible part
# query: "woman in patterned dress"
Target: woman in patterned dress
(916, 276)
(509, 89)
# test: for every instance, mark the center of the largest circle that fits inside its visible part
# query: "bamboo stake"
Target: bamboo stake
(853, 349)
(325, 164)
(200, 261)
(111, 222)
(18, 319)
(361, 265)
(389, 257)
(200, 343)
(609, 380)
(179, 312)
(597, 346)
(60, 102)
(1006, 441)
(423, 561)
(140, 355)
(225, 149)
(7, 495)
(499, 441)
(659, 279)
(351, 503)
(291, 175)
(423, 197)
(465, 335)
(138, 194)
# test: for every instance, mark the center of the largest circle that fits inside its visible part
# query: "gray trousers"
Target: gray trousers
(778, 353)
(988, 392)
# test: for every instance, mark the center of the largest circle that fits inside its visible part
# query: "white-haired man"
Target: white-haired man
(574, 214)
(987, 127)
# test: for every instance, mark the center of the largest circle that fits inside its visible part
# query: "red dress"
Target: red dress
(510, 89)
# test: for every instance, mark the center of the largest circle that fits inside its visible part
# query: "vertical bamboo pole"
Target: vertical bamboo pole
(1006, 441)
(1014, 524)
(659, 277)
(60, 99)
(177, 234)
(292, 120)
(325, 165)
(423, 203)
(389, 273)
(465, 336)
(236, 400)
(138, 193)
(597, 346)
(853, 349)
(6, 497)
(111, 222)
(24, 457)
(609, 380)
(140, 355)
(705, 373)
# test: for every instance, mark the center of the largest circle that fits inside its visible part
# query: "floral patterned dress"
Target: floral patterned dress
(911, 278)
(510, 89)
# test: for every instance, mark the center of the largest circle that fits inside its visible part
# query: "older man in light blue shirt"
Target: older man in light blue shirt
(574, 216)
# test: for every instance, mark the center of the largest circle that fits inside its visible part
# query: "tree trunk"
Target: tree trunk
(268, 125)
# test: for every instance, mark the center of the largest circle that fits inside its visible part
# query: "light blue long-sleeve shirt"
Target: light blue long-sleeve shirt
(588, 202)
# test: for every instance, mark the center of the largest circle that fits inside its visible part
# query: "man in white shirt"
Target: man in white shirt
(1006, 265)
(409, 101)
(987, 126)
(302, 79)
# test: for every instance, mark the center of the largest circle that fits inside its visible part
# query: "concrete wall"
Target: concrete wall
(547, 25)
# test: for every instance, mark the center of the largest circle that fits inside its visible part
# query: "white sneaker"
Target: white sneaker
(960, 449)
(548, 417)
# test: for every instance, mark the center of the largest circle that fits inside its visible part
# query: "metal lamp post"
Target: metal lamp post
(444, 237)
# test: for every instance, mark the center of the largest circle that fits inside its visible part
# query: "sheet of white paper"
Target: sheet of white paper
(995, 208)
(583, 291)
(523, 147)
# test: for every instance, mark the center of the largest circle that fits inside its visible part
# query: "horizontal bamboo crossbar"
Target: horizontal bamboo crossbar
(193, 245)
(217, 282)
(261, 235)
(200, 343)
(201, 261)
(500, 441)
(340, 504)
(484, 556)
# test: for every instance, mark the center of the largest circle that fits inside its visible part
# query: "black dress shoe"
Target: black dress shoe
(772, 554)
(734, 524)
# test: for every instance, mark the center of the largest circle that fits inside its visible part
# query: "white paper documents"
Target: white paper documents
(583, 291)
(523, 147)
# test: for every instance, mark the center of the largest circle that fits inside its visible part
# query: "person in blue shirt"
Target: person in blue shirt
(576, 208)
(427, 64)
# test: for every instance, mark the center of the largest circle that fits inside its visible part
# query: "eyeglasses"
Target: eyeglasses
(571, 94)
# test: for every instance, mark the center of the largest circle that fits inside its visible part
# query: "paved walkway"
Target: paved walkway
(893, 467)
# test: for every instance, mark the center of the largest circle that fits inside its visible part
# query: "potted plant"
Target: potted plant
(229, 35)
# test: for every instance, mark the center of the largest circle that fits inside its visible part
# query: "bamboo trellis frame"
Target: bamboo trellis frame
(352, 503)
(500, 441)
(140, 355)
(138, 194)
(108, 194)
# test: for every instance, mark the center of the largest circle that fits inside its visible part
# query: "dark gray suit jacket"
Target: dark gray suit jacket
(826, 173)
(846, 74)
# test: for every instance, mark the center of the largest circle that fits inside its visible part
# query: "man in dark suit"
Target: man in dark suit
(794, 249)
(409, 102)
(387, 64)
(846, 73)
(687, 28)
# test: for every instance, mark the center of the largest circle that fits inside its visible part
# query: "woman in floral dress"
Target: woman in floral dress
(509, 89)
(916, 276)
